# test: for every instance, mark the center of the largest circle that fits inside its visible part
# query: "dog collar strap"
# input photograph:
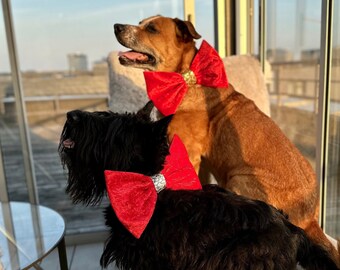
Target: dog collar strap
(167, 89)
(133, 196)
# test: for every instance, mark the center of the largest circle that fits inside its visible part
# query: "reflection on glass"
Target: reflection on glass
(63, 48)
(333, 180)
(204, 15)
(293, 52)
(9, 129)
(293, 35)
(256, 23)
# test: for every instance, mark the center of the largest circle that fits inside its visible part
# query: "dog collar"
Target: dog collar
(167, 89)
(133, 196)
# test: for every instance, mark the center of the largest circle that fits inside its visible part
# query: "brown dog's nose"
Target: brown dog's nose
(119, 27)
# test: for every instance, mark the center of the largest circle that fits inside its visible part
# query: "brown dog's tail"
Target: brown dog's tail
(316, 251)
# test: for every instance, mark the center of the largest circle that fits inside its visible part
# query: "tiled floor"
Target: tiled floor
(82, 257)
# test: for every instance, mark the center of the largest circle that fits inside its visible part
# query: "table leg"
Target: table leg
(62, 254)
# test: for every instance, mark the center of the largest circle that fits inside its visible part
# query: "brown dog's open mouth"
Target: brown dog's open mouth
(133, 57)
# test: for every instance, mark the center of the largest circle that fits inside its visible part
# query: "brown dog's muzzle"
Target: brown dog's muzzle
(140, 56)
(119, 28)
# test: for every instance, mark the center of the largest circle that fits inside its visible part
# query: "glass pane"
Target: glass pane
(293, 74)
(256, 29)
(63, 49)
(333, 180)
(9, 129)
(204, 14)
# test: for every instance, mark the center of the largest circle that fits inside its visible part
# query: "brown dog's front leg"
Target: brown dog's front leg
(195, 159)
(192, 130)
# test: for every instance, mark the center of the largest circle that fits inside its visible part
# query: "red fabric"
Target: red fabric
(124, 190)
(167, 89)
(133, 196)
(178, 170)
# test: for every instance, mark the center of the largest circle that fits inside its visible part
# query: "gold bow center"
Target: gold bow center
(189, 77)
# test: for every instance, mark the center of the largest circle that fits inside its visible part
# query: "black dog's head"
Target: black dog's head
(92, 142)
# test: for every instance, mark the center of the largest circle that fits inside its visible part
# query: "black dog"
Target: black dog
(190, 229)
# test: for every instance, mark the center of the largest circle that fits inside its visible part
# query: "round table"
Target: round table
(28, 233)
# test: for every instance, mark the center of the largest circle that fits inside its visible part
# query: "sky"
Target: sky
(47, 30)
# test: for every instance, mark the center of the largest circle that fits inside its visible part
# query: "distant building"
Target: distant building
(279, 55)
(336, 52)
(77, 62)
(100, 67)
(313, 54)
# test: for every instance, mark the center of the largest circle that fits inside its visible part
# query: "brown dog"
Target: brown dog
(245, 149)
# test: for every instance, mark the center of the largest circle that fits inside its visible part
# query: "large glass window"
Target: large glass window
(11, 149)
(333, 165)
(293, 52)
(204, 14)
(63, 48)
(67, 56)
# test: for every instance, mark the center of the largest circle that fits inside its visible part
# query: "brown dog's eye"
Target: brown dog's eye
(151, 28)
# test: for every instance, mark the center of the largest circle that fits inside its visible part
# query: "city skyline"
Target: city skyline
(48, 30)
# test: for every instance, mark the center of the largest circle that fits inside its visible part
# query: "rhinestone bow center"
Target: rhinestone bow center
(159, 182)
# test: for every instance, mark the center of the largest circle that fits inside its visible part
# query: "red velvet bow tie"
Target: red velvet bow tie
(133, 196)
(167, 89)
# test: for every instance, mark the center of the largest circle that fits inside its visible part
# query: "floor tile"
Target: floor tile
(51, 262)
(86, 257)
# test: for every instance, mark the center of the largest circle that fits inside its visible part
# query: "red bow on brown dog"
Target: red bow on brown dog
(133, 196)
(167, 89)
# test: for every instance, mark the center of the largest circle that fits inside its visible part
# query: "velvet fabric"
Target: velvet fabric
(133, 196)
(167, 89)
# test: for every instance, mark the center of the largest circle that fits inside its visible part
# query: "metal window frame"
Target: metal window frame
(244, 27)
(225, 27)
(189, 11)
(323, 92)
(324, 104)
(262, 33)
(20, 105)
(3, 184)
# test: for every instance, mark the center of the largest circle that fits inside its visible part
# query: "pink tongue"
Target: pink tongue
(68, 143)
(134, 56)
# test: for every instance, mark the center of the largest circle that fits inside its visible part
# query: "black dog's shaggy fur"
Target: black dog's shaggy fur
(206, 229)
(101, 143)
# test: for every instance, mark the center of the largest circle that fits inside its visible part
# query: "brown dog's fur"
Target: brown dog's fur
(245, 149)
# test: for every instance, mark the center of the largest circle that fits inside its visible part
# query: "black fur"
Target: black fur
(100, 140)
(189, 230)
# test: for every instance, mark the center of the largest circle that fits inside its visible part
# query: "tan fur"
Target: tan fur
(127, 85)
(245, 149)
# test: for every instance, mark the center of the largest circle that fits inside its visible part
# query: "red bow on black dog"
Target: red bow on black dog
(133, 196)
(167, 89)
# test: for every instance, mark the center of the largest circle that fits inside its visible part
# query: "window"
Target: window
(294, 30)
(63, 48)
(333, 164)
(294, 57)
(63, 51)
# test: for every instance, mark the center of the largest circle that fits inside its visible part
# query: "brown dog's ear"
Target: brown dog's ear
(185, 30)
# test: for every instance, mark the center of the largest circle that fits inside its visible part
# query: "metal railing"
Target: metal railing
(42, 109)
